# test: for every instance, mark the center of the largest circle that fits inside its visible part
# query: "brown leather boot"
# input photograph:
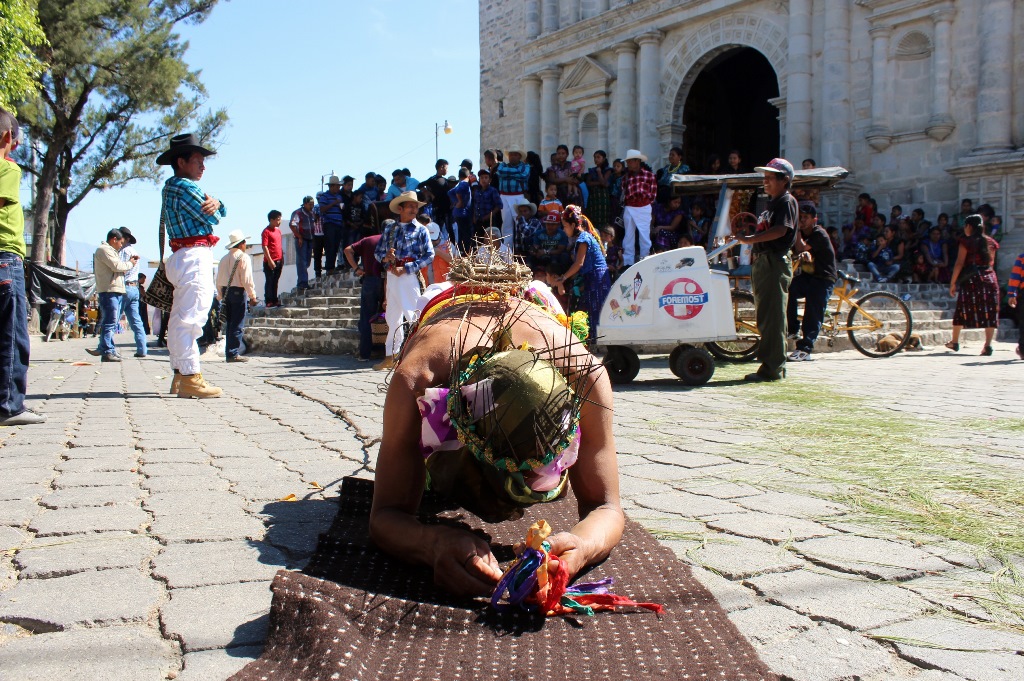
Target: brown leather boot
(175, 383)
(195, 386)
(388, 363)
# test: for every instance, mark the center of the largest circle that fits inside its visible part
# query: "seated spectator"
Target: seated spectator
(833, 237)
(966, 208)
(492, 242)
(862, 256)
(881, 265)
(666, 221)
(550, 245)
(895, 213)
(993, 224)
(921, 271)
(524, 226)
(847, 244)
(865, 211)
(936, 255)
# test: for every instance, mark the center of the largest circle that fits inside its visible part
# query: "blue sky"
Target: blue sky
(313, 87)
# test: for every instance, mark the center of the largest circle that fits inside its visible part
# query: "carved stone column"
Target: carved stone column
(995, 73)
(835, 136)
(798, 81)
(625, 98)
(649, 76)
(531, 10)
(531, 113)
(671, 135)
(602, 126)
(549, 16)
(879, 134)
(574, 128)
(549, 110)
(941, 124)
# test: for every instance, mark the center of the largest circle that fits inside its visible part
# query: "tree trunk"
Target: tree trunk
(41, 209)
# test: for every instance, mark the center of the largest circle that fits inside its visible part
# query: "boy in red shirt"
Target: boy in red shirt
(273, 258)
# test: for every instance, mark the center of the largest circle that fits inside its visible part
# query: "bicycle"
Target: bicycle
(870, 317)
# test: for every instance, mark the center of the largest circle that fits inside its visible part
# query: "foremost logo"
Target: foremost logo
(683, 299)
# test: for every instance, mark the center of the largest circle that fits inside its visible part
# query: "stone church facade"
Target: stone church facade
(922, 100)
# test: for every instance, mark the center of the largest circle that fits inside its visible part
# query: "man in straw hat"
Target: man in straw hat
(234, 287)
(131, 304)
(524, 226)
(639, 189)
(498, 405)
(331, 204)
(403, 250)
(772, 270)
(189, 214)
(511, 178)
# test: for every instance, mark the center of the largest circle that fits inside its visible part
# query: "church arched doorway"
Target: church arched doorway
(728, 108)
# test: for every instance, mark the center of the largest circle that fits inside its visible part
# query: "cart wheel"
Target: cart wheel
(674, 355)
(695, 366)
(621, 363)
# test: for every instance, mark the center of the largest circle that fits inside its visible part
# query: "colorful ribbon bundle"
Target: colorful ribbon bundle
(538, 580)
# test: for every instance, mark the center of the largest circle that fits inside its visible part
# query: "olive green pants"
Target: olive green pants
(770, 276)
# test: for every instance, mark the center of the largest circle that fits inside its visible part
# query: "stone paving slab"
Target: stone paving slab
(871, 557)
(17, 512)
(767, 527)
(739, 558)
(192, 565)
(797, 505)
(210, 617)
(79, 497)
(96, 479)
(44, 559)
(115, 518)
(969, 648)
(217, 664)
(689, 505)
(99, 598)
(846, 600)
(129, 653)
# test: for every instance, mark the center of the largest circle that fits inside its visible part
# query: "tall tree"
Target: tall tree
(20, 33)
(116, 85)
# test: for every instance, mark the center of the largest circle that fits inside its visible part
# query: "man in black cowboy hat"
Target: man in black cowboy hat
(130, 307)
(189, 214)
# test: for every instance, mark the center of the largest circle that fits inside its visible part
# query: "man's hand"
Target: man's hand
(804, 257)
(1012, 301)
(464, 565)
(134, 258)
(398, 270)
(210, 205)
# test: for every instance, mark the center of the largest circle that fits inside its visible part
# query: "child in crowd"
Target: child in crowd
(492, 240)
(936, 254)
(613, 251)
(698, 226)
(666, 220)
(862, 256)
(922, 272)
(1014, 290)
(550, 202)
(881, 264)
(865, 211)
(578, 165)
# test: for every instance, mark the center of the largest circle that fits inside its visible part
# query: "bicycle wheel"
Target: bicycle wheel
(874, 316)
(744, 348)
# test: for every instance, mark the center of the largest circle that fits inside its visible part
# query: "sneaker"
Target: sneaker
(195, 386)
(25, 418)
(237, 358)
(141, 355)
(798, 356)
(792, 336)
(111, 357)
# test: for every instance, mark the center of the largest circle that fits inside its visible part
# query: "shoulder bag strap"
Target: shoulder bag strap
(234, 268)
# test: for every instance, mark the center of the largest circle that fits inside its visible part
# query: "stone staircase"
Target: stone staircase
(323, 320)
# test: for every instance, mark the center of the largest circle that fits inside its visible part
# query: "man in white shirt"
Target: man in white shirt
(130, 301)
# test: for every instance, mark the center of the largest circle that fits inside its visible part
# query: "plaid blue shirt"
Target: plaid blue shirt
(183, 209)
(484, 202)
(512, 179)
(410, 240)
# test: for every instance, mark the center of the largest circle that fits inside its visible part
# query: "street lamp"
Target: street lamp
(437, 133)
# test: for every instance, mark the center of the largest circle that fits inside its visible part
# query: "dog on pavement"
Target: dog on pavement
(892, 341)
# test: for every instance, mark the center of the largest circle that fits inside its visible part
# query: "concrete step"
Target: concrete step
(311, 323)
(306, 341)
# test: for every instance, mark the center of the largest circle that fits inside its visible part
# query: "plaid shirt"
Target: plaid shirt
(411, 242)
(512, 179)
(183, 210)
(484, 202)
(306, 223)
(640, 189)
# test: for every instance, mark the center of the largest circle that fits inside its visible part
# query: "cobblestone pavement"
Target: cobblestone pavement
(139, 533)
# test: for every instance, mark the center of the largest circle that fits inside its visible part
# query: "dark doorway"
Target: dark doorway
(727, 108)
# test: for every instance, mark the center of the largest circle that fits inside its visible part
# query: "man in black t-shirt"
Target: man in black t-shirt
(438, 185)
(813, 283)
(771, 271)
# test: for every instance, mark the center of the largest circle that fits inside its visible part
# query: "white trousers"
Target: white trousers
(190, 270)
(637, 220)
(508, 215)
(402, 292)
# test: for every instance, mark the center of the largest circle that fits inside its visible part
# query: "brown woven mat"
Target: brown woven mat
(358, 614)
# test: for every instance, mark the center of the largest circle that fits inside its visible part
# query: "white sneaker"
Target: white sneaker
(798, 356)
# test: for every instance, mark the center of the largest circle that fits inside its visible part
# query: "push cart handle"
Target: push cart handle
(722, 249)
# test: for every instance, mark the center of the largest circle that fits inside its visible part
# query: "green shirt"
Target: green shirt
(12, 219)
